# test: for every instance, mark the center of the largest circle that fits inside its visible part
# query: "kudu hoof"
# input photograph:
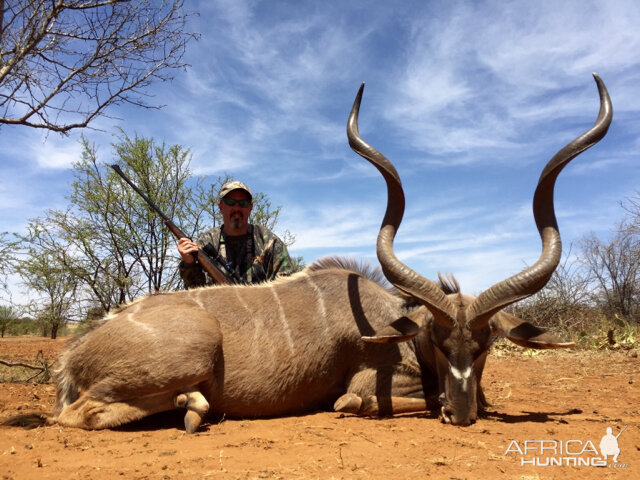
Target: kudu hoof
(192, 421)
(444, 417)
(197, 407)
(348, 403)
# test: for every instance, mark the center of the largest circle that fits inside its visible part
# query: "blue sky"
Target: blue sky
(468, 99)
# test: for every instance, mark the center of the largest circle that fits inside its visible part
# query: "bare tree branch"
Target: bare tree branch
(24, 365)
(63, 62)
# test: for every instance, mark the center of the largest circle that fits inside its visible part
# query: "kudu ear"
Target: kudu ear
(400, 330)
(524, 333)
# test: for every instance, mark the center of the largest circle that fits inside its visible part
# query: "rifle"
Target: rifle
(203, 259)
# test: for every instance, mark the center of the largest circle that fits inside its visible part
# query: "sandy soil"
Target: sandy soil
(565, 399)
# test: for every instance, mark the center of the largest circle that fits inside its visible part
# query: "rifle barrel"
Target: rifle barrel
(204, 260)
(140, 192)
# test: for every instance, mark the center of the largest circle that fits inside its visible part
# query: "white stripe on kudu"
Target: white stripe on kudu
(320, 301)
(285, 325)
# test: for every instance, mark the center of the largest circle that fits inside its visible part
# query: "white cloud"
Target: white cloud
(56, 154)
(473, 72)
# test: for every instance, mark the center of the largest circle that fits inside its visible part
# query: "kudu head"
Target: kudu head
(453, 333)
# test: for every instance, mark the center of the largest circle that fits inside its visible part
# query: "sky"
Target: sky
(468, 99)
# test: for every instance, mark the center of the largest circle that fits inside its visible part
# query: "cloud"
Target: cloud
(481, 78)
(334, 225)
(271, 75)
(56, 153)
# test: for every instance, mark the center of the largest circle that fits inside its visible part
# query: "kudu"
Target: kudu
(453, 343)
(296, 345)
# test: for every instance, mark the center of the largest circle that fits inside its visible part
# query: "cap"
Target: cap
(234, 185)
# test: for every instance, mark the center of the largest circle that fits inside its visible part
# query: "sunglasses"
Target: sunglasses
(232, 202)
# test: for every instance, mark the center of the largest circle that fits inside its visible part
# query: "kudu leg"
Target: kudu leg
(197, 408)
(397, 387)
(352, 403)
(93, 414)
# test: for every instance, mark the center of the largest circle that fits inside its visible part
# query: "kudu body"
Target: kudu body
(290, 346)
(296, 345)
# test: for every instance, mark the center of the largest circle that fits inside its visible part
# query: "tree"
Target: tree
(47, 272)
(162, 173)
(121, 248)
(7, 249)
(563, 302)
(632, 206)
(616, 268)
(7, 316)
(63, 62)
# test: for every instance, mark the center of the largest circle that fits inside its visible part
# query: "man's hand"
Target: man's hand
(187, 249)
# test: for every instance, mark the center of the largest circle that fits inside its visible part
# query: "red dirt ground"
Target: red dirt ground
(559, 397)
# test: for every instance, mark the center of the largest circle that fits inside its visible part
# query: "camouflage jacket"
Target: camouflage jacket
(265, 256)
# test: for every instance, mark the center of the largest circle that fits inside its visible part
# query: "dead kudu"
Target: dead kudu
(296, 345)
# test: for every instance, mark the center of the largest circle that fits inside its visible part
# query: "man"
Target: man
(250, 253)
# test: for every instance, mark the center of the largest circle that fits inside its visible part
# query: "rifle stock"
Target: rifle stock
(203, 259)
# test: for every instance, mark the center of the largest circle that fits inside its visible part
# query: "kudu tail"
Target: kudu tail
(66, 389)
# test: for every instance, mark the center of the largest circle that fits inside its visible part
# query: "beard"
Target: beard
(237, 220)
